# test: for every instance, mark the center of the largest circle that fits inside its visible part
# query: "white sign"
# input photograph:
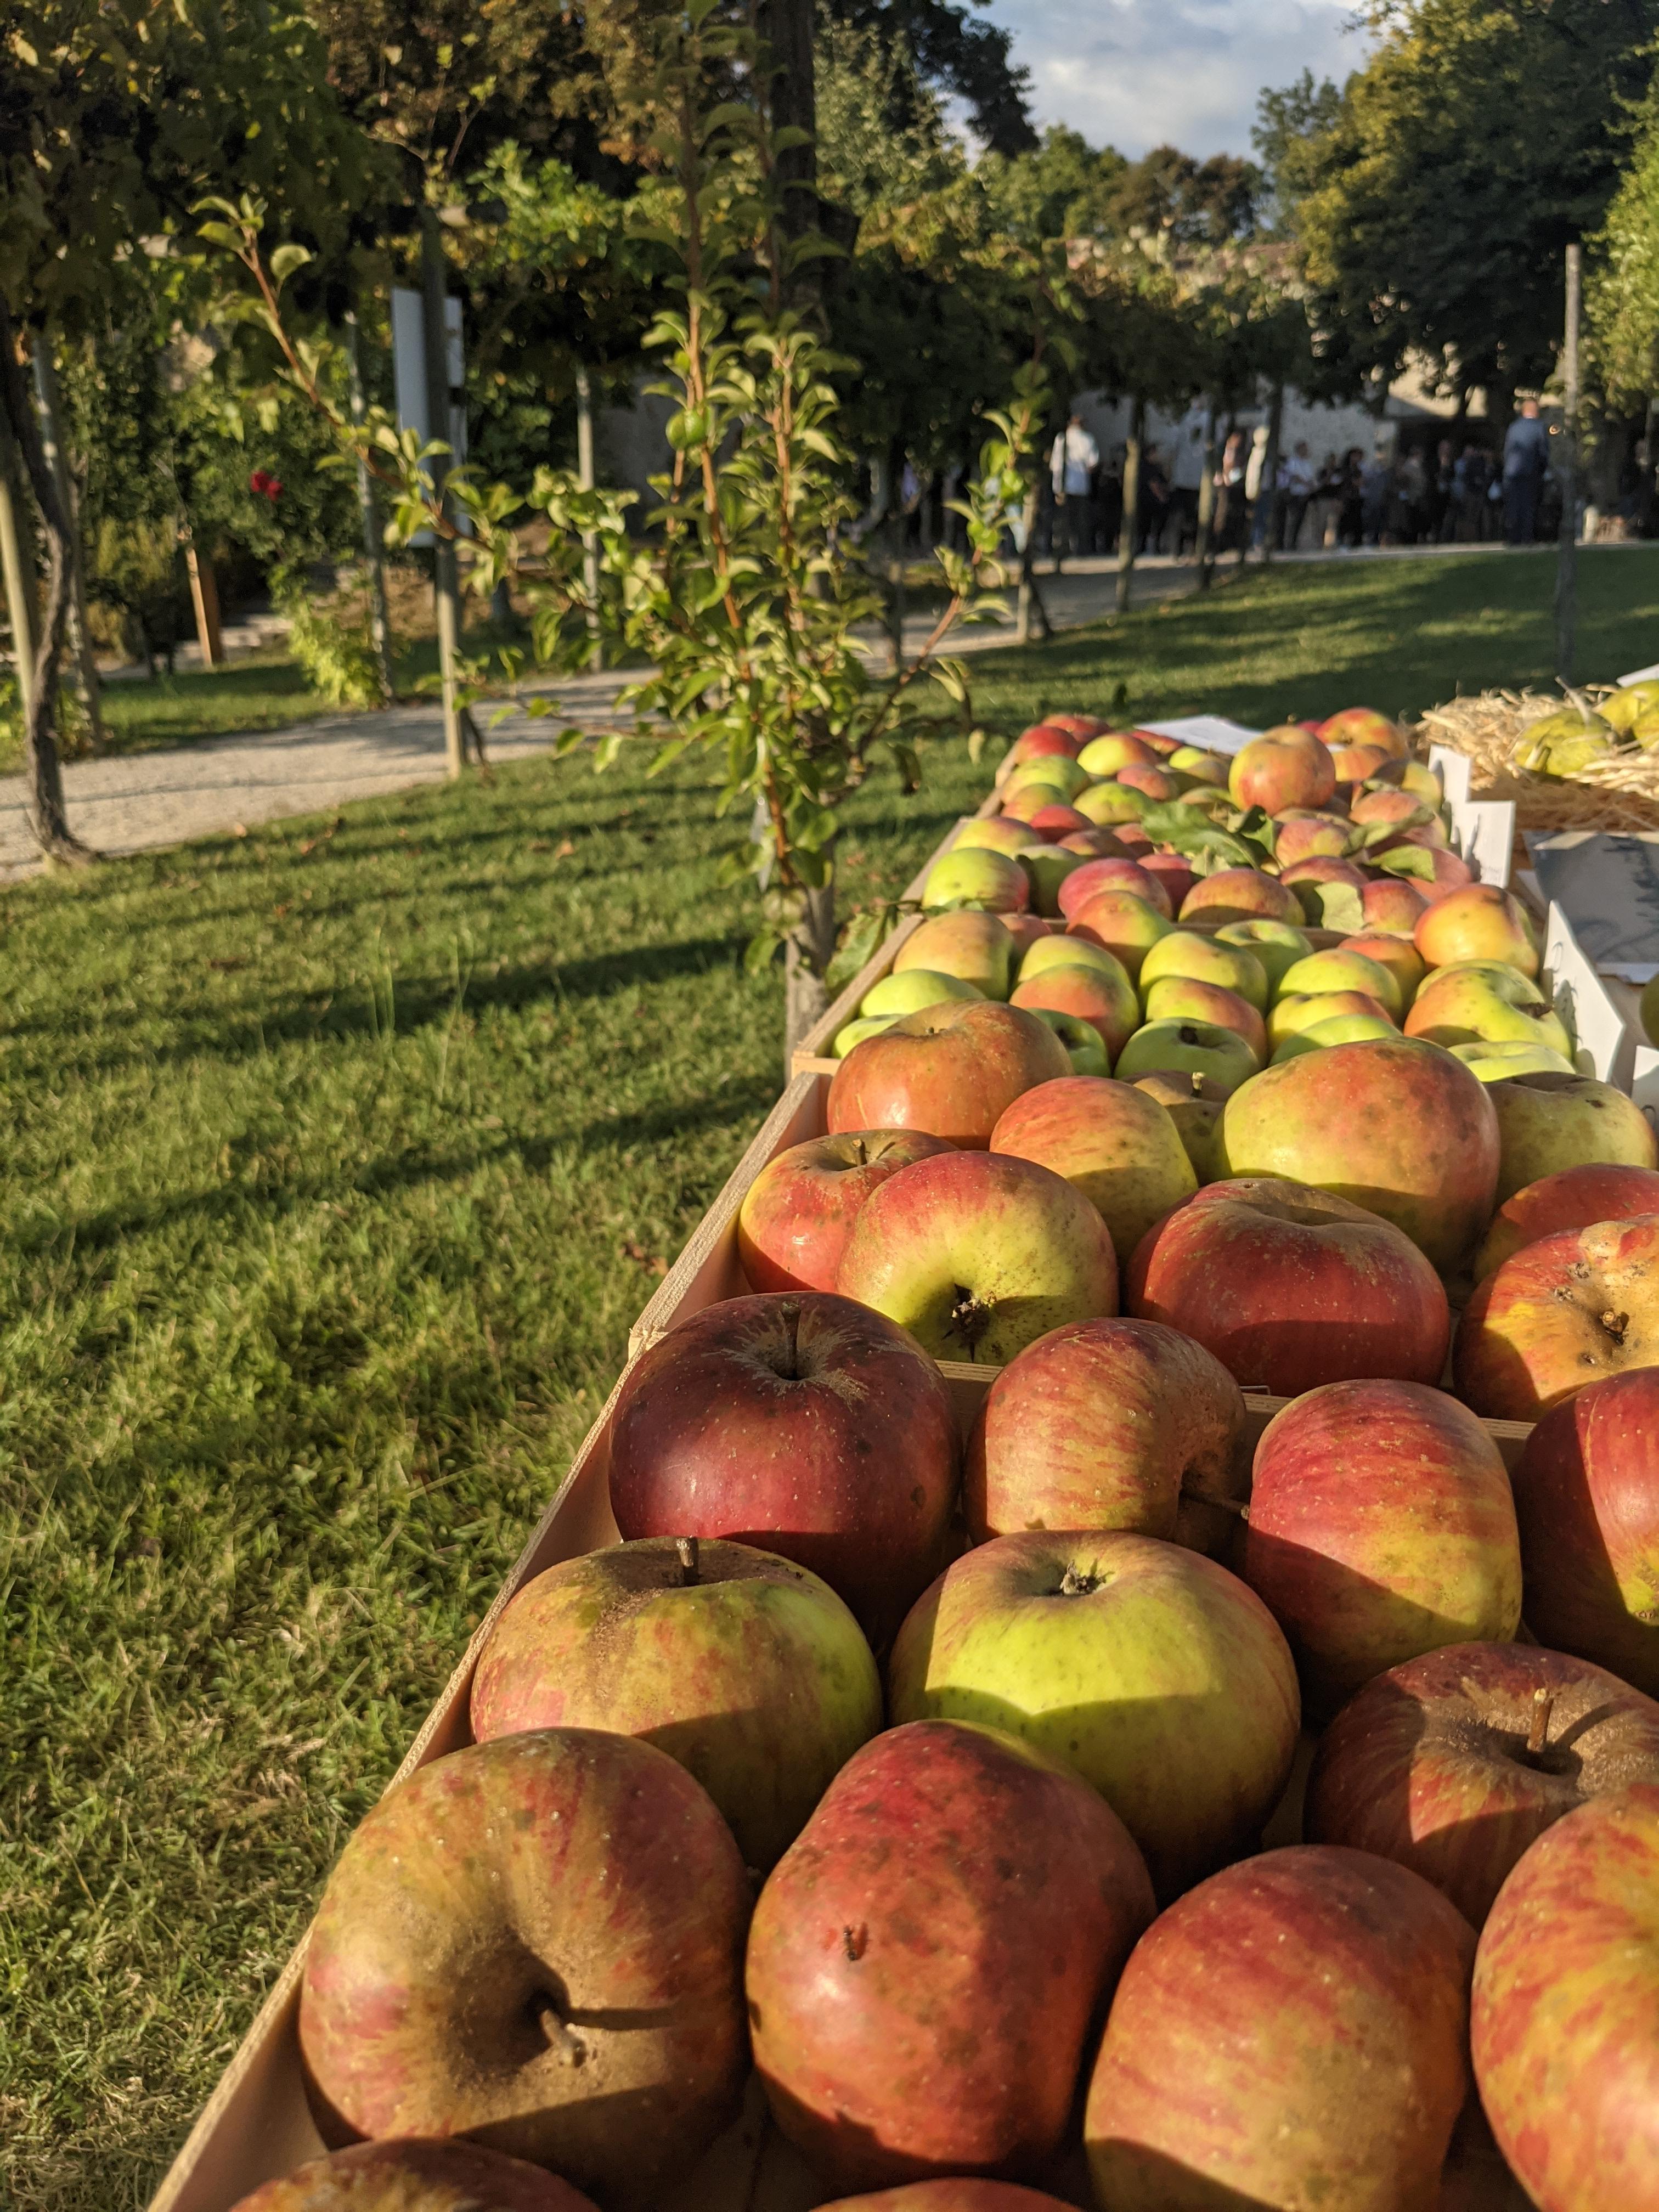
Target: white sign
(1583, 1003)
(1453, 770)
(1484, 829)
(1640, 675)
(415, 411)
(1213, 732)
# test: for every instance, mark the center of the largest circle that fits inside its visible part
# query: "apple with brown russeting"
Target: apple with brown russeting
(416, 2174)
(1576, 1198)
(805, 1424)
(1547, 1122)
(951, 1070)
(928, 1961)
(795, 1217)
(1564, 1312)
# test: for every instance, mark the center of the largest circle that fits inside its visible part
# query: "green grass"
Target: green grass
(338, 1160)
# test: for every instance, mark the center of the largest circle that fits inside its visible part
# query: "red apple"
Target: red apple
(949, 1071)
(781, 1421)
(417, 2175)
(1240, 895)
(1173, 872)
(1112, 1143)
(537, 1942)
(1092, 993)
(928, 1961)
(1380, 1526)
(1291, 1288)
(1156, 783)
(748, 1670)
(1455, 1763)
(1324, 868)
(1393, 903)
(1286, 767)
(1309, 837)
(1118, 875)
(1364, 726)
(1561, 1313)
(1480, 922)
(1564, 2020)
(1392, 808)
(1058, 821)
(1126, 926)
(966, 2194)
(1576, 1198)
(1587, 1498)
(797, 1214)
(1290, 2035)
(1189, 999)
(1113, 750)
(1045, 739)
(1108, 1424)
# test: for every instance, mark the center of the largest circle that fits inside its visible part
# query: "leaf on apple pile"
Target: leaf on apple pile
(1339, 906)
(1408, 861)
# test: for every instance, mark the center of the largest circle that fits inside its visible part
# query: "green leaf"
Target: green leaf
(763, 949)
(1336, 906)
(1411, 861)
(285, 260)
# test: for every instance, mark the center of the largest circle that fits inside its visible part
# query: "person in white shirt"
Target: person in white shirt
(1185, 475)
(1296, 480)
(1071, 468)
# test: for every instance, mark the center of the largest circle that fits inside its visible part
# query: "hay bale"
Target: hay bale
(1619, 793)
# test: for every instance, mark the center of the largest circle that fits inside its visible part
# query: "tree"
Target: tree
(953, 55)
(1622, 296)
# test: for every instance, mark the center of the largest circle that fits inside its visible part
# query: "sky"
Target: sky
(1136, 74)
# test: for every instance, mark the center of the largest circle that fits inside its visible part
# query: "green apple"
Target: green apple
(1207, 960)
(1205, 1048)
(1190, 764)
(1054, 770)
(1082, 1040)
(916, 987)
(866, 1025)
(977, 947)
(1045, 869)
(1342, 970)
(1277, 944)
(1102, 803)
(1064, 950)
(1197, 1119)
(1477, 1001)
(1552, 1121)
(1492, 1062)
(993, 834)
(1292, 1015)
(990, 881)
(1335, 1029)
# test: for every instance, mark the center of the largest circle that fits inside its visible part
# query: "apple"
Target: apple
(778, 1421)
(1104, 756)
(1220, 1055)
(1173, 872)
(1045, 739)
(1106, 804)
(1110, 1142)
(1455, 1763)
(1333, 1029)
(1114, 875)
(1576, 1198)
(1022, 806)
(1361, 765)
(1380, 1526)
(961, 2193)
(1126, 926)
(1157, 784)
(1192, 766)
(1085, 1046)
(1240, 895)
(978, 1253)
(1445, 871)
(417, 2175)
(1091, 844)
(1392, 1124)
(1565, 2015)
(1587, 1496)
(993, 834)
(1480, 922)
(978, 878)
(741, 1665)
(1284, 768)
(1552, 1121)
(795, 1216)
(977, 948)
(1276, 945)
(1068, 776)
(1559, 1314)
(927, 1963)
(1342, 968)
(852, 1033)
(1364, 726)
(1397, 954)
(1291, 1288)
(1134, 840)
(1422, 782)
(1393, 903)
(1235, 967)
(1109, 1424)
(1305, 837)
(1293, 1016)
(909, 990)
(1485, 1000)
(1161, 1679)
(1325, 891)
(1046, 870)
(1291, 2035)
(1090, 994)
(1394, 809)
(949, 1071)
(1027, 930)
(1496, 1060)
(537, 1942)
(1182, 999)
(1063, 950)
(1196, 1114)
(1051, 823)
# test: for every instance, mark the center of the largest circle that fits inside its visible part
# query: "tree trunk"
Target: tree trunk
(1128, 532)
(80, 634)
(17, 567)
(1203, 544)
(42, 766)
(434, 286)
(1268, 489)
(808, 950)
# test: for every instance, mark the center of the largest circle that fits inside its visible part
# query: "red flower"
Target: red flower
(268, 486)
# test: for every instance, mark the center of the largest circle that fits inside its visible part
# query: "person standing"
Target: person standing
(1376, 485)
(1185, 475)
(1258, 487)
(1229, 519)
(1297, 482)
(1526, 462)
(1071, 468)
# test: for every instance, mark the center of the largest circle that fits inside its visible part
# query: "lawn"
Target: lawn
(339, 1159)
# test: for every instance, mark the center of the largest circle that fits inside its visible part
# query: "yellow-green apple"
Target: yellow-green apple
(1576, 1198)
(1290, 2035)
(1276, 945)
(994, 833)
(1235, 967)
(1191, 765)
(1091, 993)
(537, 1942)
(854, 1032)
(1108, 804)
(1112, 1143)
(1393, 903)
(1240, 895)
(1046, 869)
(1197, 1116)
(1112, 873)
(1559, 1314)
(1031, 799)
(1173, 872)
(1380, 1526)
(910, 989)
(952, 1874)
(1586, 1496)
(1069, 777)
(778, 1421)
(977, 947)
(1480, 922)
(1156, 784)
(1291, 1288)
(1455, 1763)
(1182, 999)
(1063, 950)
(417, 2175)
(1045, 739)
(1565, 2015)
(960, 2193)
(1342, 968)
(1161, 1679)
(990, 881)
(1551, 1121)
(1287, 766)
(978, 1253)
(1496, 1060)
(1109, 1424)
(739, 1663)
(1422, 782)
(795, 1216)
(1085, 1046)
(1292, 1015)
(1397, 954)
(1221, 1056)
(1364, 726)
(949, 1071)
(1105, 756)
(1307, 836)
(1334, 1029)
(1127, 926)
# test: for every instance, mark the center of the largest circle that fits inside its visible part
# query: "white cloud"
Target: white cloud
(1136, 74)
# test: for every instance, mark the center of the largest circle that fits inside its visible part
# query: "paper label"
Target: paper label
(1214, 732)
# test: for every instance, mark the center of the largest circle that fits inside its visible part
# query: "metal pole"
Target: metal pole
(1566, 559)
(49, 410)
(380, 622)
(590, 538)
(446, 574)
(19, 571)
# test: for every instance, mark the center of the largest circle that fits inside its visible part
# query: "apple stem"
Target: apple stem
(1538, 1734)
(687, 1548)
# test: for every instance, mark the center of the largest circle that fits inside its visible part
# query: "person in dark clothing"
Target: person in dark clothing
(1351, 498)
(1526, 462)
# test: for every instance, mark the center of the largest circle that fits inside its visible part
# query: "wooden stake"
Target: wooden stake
(19, 574)
(204, 599)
